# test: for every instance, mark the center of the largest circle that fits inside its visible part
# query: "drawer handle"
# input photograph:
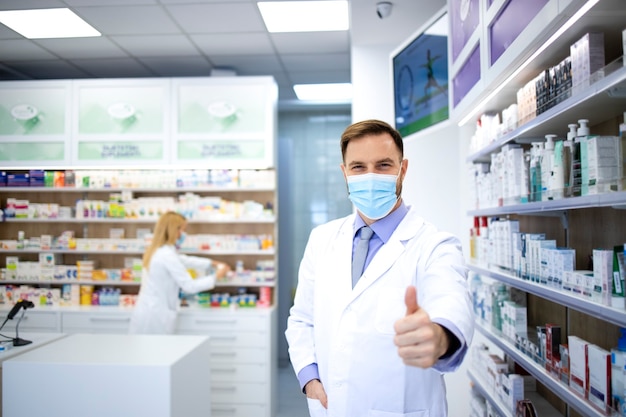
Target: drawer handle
(223, 337)
(109, 319)
(224, 409)
(200, 321)
(224, 370)
(231, 354)
(230, 389)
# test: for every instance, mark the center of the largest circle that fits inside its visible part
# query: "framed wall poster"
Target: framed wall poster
(225, 122)
(420, 77)
(34, 123)
(121, 122)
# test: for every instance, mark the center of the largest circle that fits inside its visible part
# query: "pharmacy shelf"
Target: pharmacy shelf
(69, 281)
(616, 200)
(563, 391)
(542, 406)
(138, 190)
(600, 311)
(141, 221)
(231, 283)
(595, 102)
(269, 252)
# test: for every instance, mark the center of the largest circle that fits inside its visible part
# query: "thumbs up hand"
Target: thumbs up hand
(420, 342)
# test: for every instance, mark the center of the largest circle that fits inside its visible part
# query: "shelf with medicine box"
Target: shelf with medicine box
(533, 366)
(568, 298)
(542, 407)
(96, 223)
(567, 192)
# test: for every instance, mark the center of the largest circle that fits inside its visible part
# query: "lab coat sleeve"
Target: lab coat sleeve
(195, 262)
(178, 270)
(300, 331)
(443, 282)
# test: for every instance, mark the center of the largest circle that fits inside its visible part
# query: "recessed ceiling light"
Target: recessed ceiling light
(47, 23)
(337, 92)
(305, 16)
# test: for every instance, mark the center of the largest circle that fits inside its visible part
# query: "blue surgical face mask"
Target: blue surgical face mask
(181, 239)
(374, 195)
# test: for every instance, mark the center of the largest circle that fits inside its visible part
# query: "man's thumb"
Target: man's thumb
(410, 299)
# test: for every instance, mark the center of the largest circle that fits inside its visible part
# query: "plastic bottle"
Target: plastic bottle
(622, 146)
(581, 135)
(557, 178)
(618, 361)
(535, 171)
(568, 157)
(547, 160)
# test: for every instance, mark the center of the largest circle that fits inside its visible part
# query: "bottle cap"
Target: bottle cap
(550, 141)
(572, 131)
(583, 130)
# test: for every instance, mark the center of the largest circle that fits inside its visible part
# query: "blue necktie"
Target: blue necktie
(360, 254)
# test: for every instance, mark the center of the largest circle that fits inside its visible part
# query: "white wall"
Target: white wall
(435, 178)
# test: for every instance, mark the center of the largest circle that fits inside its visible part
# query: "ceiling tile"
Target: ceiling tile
(316, 62)
(82, 48)
(30, 4)
(234, 44)
(113, 67)
(186, 66)
(315, 77)
(47, 70)
(129, 20)
(22, 49)
(218, 17)
(249, 64)
(76, 3)
(156, 45)
(311, 42)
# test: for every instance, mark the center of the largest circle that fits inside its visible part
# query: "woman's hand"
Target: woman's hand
(221, 269)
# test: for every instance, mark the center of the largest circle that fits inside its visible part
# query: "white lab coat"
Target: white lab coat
(158, 301)
(349, 332)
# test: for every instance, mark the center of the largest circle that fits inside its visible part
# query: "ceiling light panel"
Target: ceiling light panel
(47, 23)
(305, 16)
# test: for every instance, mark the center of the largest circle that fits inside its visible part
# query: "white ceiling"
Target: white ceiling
(179, 38)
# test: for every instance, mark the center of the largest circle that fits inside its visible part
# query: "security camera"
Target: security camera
(383, 9)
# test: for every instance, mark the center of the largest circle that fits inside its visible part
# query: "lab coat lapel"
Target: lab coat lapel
(340, 263)
(389, 253)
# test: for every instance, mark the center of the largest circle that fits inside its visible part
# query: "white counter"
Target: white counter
(37, 339)
(111, 375)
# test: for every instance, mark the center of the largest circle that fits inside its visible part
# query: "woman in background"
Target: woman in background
(165, 273)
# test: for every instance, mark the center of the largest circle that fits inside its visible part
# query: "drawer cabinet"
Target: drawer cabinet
(243, 358)
(34, 321)
(111, 322)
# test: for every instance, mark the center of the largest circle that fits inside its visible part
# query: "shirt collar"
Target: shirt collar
(384, 227)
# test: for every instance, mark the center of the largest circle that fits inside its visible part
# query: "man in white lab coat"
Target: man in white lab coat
(378, 344)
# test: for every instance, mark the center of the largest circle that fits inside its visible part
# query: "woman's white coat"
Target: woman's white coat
(158, 301)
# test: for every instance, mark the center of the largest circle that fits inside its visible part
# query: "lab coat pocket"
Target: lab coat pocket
(376, 413)
(316, 409)
(390, 308)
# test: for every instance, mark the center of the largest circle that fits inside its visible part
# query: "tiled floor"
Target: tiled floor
(291, 401)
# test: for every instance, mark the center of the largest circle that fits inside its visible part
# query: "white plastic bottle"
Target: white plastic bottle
(557, 179)
(547, 160)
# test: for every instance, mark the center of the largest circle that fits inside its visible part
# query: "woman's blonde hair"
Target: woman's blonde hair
(165, 233)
